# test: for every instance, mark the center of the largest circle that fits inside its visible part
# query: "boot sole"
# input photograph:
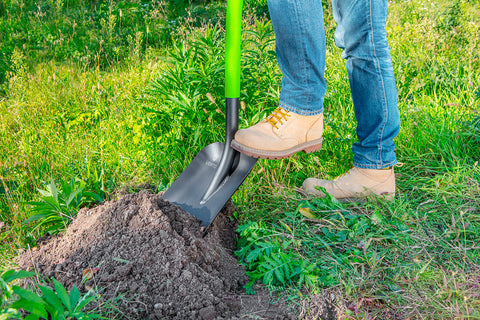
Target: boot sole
(307, 147)
(385, 196)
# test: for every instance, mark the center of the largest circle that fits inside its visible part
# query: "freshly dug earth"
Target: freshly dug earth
(152, 253)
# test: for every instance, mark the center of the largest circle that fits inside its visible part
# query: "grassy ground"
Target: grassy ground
(134, 101)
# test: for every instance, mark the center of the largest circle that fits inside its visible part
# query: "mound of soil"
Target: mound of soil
(152, 253)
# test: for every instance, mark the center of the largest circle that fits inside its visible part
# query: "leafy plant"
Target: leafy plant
(57, 207)
(272, 259)
(54, 304)
(314, 246)
(273, 253)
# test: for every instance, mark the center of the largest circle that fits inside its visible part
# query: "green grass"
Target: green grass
(143, 109)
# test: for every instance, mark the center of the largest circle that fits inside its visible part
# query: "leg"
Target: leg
(297, 124)
(361, 33)
(301, 49)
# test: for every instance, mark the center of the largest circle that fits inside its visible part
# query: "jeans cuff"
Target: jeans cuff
(300, 111)
(375, 166)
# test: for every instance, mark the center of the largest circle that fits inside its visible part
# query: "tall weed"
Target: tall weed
(186, 101)
(58, 206)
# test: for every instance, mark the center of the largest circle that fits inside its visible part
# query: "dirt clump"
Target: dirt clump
(152, 253)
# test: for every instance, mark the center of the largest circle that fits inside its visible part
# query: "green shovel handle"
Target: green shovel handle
(232, 48)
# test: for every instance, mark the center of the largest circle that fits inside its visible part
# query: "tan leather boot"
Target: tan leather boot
(356, 183)
(280, 135)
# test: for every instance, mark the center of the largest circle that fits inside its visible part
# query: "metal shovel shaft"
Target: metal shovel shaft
(228, 155)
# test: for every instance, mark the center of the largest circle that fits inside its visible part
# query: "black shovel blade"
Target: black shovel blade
(189, 188)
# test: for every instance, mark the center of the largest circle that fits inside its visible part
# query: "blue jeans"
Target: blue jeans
(361, 34)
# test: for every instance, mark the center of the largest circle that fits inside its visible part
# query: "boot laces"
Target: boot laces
(277, 116)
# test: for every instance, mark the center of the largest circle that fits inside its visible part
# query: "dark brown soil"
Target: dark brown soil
(152, 254)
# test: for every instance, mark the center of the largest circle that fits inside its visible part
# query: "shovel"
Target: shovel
(217, 171)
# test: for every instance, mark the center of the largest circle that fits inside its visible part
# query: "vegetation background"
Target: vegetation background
(101, 96)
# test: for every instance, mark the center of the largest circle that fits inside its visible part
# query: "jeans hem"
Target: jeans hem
(375, 166)
(300, 111)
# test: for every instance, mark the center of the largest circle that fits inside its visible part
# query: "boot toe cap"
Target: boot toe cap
(256, 139)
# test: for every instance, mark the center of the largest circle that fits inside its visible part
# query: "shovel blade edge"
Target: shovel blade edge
(189, 188)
